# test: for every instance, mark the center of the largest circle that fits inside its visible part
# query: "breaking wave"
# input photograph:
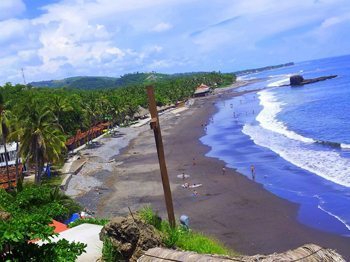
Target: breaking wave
(295, 148)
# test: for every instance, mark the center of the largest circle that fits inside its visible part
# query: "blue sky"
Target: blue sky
(53, 39)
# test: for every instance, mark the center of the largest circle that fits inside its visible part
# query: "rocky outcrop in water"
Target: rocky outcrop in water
(298, 80)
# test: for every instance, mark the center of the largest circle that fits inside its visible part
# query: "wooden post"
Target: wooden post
(160, 150)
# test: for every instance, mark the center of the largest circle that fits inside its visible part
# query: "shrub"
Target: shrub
(109, 253)
(95, 221)
(183, 238)
(31, 211)
(148, 215)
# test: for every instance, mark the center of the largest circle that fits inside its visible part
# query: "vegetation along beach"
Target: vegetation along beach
(174, 130)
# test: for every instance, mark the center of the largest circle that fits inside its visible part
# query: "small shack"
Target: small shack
(141, 113)
(202, 90)
(83, 137)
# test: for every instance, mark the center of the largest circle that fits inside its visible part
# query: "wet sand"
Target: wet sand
(230, 207)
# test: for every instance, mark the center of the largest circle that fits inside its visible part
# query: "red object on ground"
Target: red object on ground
(59, 227)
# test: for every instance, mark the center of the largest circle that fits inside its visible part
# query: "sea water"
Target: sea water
(297, 138)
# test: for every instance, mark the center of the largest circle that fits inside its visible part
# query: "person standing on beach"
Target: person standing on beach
(223, 170)
(252, 168)
(194, 161)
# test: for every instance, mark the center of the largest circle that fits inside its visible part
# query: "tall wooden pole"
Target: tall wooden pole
(160, 150)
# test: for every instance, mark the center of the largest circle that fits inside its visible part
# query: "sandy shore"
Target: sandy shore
(229, 207)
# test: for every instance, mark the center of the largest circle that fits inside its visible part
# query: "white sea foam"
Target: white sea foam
(293, 147)
(345, 146)
(267, 117)
(335, 216)
(319, 206)
(280, 82)
(327, 164)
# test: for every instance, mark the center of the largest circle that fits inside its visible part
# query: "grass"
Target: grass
(183, 238)
(52, 181)
(109, 254)
(95, 221)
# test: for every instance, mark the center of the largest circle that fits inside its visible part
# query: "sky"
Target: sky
(54, 39)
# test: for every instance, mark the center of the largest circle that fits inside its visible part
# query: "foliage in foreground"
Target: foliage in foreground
(31, 211)
(183, 238)
(109, 253)
(95, 221)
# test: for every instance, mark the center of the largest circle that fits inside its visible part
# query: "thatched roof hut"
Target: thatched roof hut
(141, 112)
(306, 253)
(201, 90)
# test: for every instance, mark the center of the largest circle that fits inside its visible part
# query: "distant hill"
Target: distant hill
(99, 82)
(260, 69)
(102, 82)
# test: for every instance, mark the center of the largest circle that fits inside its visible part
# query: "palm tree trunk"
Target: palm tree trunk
(16, 163)
(36, 178)
(6, 162)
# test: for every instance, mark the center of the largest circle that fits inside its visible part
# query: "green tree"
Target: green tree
(59, 105)
(42, 139)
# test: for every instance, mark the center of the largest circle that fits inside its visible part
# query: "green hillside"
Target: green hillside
(99, 82)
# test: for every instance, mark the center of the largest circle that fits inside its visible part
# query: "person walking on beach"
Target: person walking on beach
(252, 169)
(194, 161)
(223, 170)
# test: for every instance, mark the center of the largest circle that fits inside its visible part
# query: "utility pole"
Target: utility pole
(24, 79)
(160, 150)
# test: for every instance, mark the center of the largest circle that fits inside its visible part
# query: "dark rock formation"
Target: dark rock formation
(130, 237)
(328, 143)
(298, 80)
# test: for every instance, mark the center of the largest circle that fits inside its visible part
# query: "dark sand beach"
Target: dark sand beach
(230, 207)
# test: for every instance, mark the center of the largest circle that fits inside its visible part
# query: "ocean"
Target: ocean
(297, 139)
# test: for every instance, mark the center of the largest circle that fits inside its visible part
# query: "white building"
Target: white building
(11, 154)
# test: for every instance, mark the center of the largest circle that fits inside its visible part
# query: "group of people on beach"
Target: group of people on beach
(186, 185)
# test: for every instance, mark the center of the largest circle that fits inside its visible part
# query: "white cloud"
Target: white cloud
(335, 20)
(161, 27)
(115, 37)
(11, 8)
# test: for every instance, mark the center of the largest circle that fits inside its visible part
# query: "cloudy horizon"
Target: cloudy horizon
(56, 39)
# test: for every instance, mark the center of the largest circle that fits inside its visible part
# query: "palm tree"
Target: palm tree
(59, 105)
(4, 134)
(42, 139)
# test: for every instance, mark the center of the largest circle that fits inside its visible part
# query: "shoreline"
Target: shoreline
(255, 220)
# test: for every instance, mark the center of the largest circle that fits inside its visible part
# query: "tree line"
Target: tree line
(40, 120)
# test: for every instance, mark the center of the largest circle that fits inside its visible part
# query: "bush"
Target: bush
(148, 215)
(109, 253)
(31, 211)
(95, 221)
(183, 238)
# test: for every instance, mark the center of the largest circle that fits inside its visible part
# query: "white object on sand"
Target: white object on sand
(183, 176)
(195, 185)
